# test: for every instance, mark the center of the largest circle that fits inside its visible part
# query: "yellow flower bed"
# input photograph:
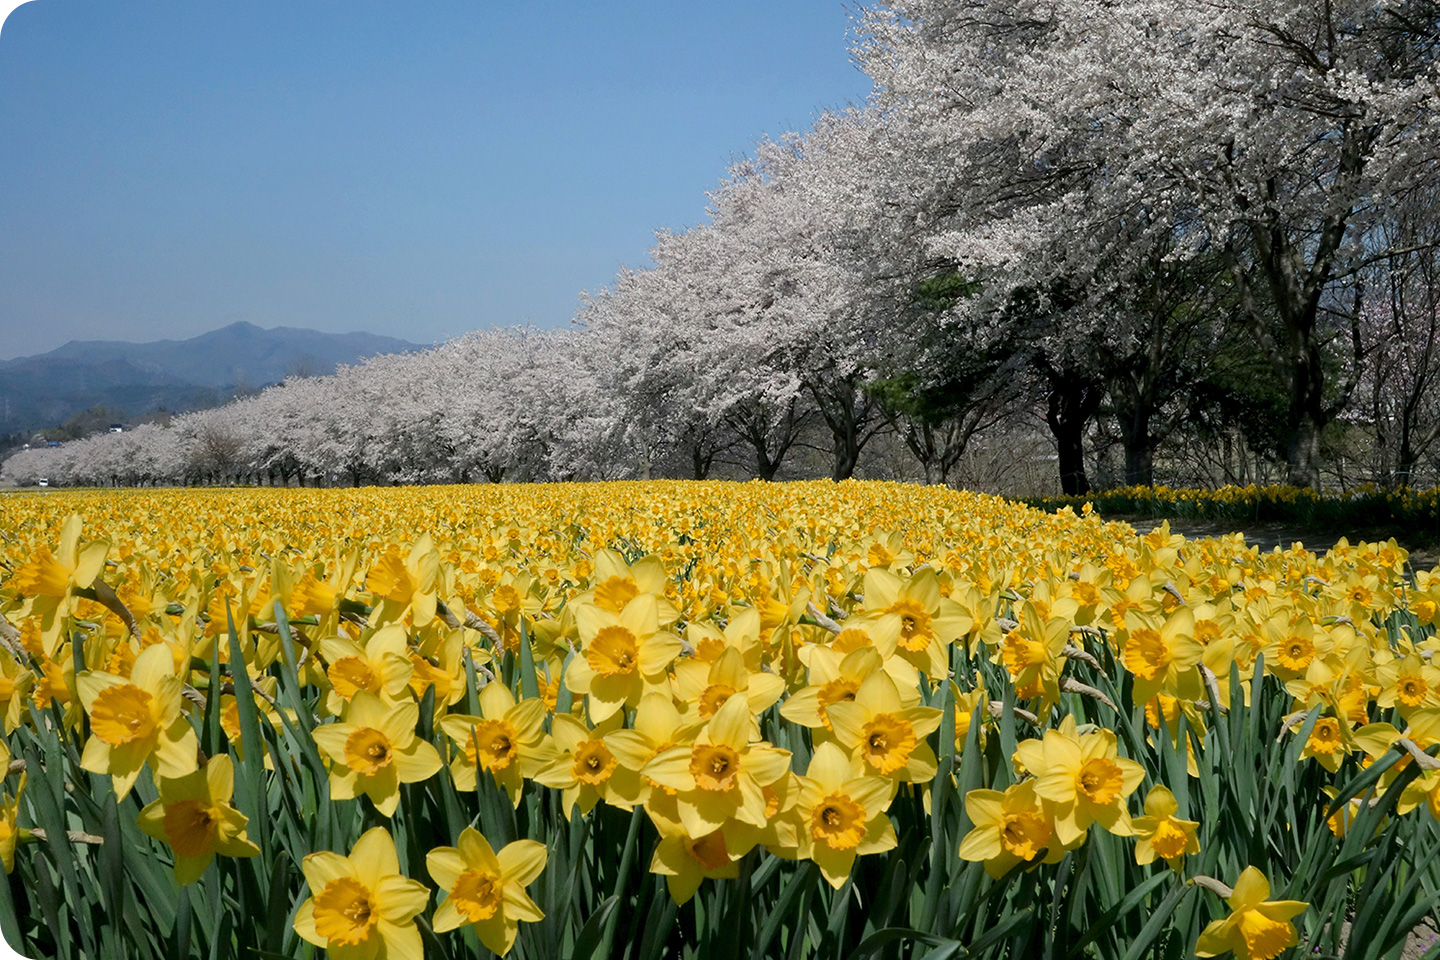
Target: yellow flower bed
(362, 719)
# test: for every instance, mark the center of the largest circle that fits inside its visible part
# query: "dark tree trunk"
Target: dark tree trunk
(1068, 411)
(1307, 415)
(1139, 444)
(850, 414)
(700, 461)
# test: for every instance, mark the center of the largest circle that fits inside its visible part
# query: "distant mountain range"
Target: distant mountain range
(137, 379)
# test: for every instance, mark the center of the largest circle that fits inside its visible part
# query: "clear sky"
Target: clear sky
(413, 169)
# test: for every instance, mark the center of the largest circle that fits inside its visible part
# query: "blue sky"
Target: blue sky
(414, 169)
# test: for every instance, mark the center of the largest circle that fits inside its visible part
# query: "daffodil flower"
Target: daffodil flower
(374, 750)
(47, 579)
(486, 888)
(381, 667)
(9, 815)
(911, 619)
(137, 721)
(194, 817)
(1162, 655)
(311, 596)
(685, 861)
(842, 812)
(584, 766)
(622, 656)
(1408, 683)
(616, 583)
(742, 633)
(1033, 654)
(835, 677)
(722, 775)
(405, 585)
(1009, 828)
(658, 726)
(1329, 743)
(1160, 833)
(877, 728)
(507, 740)
(1083, 777)
(52, 575)
(709, 685)
(360, 906)
(1257, 928)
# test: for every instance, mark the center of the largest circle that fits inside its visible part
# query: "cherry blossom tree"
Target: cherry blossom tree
(1068, 141)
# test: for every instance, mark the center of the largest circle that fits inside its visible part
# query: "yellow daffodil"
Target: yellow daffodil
(1033, 654)
(658, 726)
(889, 737)
(1008, 828)
(381, 667)
(194, 817)
(507, 740)
(1257, 928)
(685, 861)
(1162, 654)
(1408, 683)
(722, 775)
(1160, 833)
(360, 906)
(405, 584)
(374, 750)
(616, 583)
(485, 888)
(841, 808)
(709, 685)
(1083, 777)
(52, 575)
(314, 597)
(623, 656)
(584, 768)
(1329, 742)
(835, 676)
(911, 619)
(137, 721)
(9, 815)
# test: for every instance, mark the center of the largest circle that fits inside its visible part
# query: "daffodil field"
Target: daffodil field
(702, 720)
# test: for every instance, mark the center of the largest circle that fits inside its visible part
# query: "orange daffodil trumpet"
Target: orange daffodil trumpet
(360, 906)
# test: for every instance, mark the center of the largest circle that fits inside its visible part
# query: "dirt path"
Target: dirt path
(1267, 536)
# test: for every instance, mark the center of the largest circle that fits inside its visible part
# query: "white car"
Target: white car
(43, 481)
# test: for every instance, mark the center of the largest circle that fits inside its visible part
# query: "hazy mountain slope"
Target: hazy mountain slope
(138, 378)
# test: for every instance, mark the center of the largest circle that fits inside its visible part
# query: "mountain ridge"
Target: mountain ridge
(136, 379)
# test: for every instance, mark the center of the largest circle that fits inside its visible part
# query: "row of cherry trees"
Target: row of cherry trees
(1163, 228)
